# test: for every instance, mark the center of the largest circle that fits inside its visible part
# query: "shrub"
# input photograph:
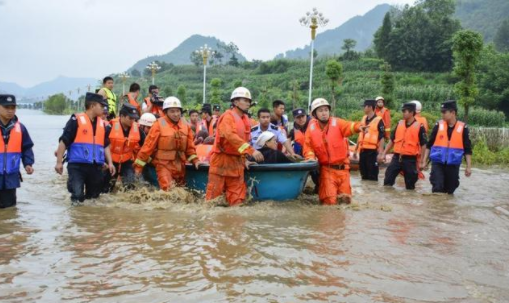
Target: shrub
(484, 117)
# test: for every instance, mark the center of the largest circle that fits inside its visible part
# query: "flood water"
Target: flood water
(395, 246)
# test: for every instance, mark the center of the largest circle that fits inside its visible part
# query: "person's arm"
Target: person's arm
(381, 136)
(430, 143)
(107, 154)
(59, 167)
(149, 145)
(27, 153)
(467, 147)
(422, 141)
(67, 138)
(381, 157)
(387, 122)
(349, 128)
(309, 153)
(191, 149)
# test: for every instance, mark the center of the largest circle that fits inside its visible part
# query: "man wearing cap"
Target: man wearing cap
(153, 103)
(409, 142)
(267, 145)
(448, 144)
(231, 146)
(107, 92)
(169, 145)
(126, 139)
(325, 142)
(265, 125)
(86, 140)
(15, 148)
(370, 142)
(384, 112)
(216, 111)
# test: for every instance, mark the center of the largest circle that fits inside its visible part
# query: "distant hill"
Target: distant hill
(180, 55)
(59, 85)
(484, 16)
(359, 28)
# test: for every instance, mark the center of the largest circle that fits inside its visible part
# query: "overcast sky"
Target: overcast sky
(41, 40)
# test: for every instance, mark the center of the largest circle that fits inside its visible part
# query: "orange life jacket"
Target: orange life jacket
(422, 120)
(86, 147)
(243, 128)
(10, 153)
(328, 144)
(370, 139)
(299, 136)
(134, 103)
(123, 149)
(172, 144)
(203, 152)
(156, 110)
(447, 151)
(406, 141)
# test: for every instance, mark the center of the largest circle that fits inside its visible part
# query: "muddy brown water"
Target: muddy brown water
(395, 246)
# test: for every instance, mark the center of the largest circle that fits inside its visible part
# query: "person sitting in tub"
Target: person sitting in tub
(267, 145)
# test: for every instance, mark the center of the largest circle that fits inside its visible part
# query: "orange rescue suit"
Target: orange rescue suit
(385, 114)
(226, 173)
(328, 144)
(173, 144)
(156, 110)
(123, 149)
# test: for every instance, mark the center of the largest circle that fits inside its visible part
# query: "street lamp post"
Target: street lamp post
(78, 99)
(205, 53)
(313, 19)
(124, 76)
(153, 67)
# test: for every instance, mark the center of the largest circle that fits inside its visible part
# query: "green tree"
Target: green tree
(181, 93)
(388, 84)
(421, 37)
(334, 71)
(56, 104)
(196, 59)
(502, 37)
(216, 90)
(348, 46)
(494, 80)
(467, 47)
(383, 36)
(237, 83)
(168, 91)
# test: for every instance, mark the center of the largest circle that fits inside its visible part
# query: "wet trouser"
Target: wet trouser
(405, 164)
(125, 171)
(333, 183)
(444, 178)
(85, 181)
(150, 175)
(315, 176)
(170, 173)
(7, 198)
(235, 188)
(368, 164)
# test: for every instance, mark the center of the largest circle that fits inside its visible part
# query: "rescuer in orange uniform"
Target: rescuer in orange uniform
(408, 140)
(126, 139)
(325, 142)
(231, 145)
(370, 143)
(385, 113)
(172, 141)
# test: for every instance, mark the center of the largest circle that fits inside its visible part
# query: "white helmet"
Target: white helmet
(418, 106)
(241, 92)
(380, 98)
(147, 119)
(318, 103)
(172, 102)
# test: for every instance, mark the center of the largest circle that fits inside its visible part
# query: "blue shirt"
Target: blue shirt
(256, 131)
